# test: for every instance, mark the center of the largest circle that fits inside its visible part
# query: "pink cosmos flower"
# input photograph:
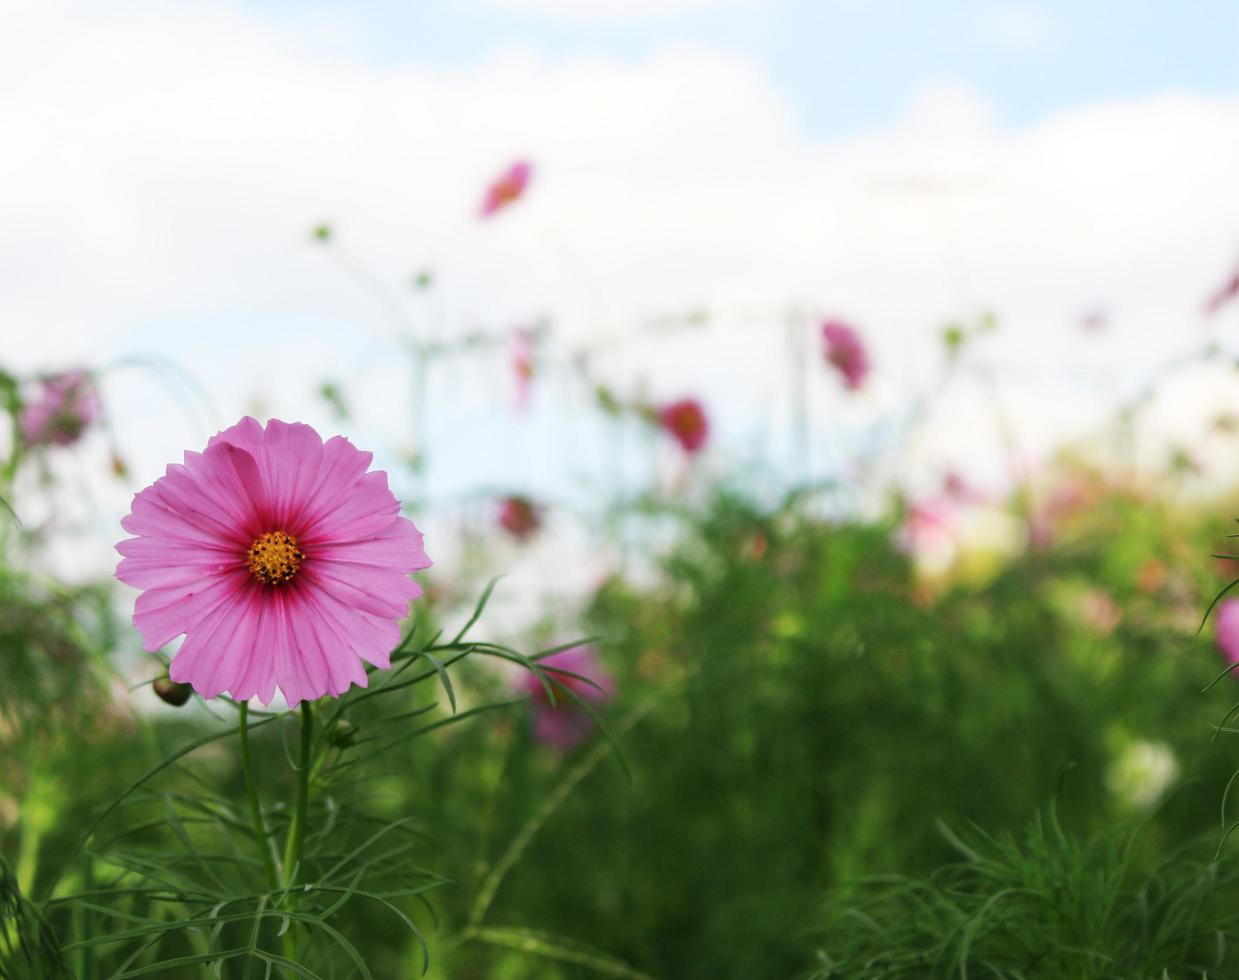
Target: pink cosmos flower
(1226, 629)
(519, 516)
(844, 350)
(507, 188)
(67, 404)
(686, 421)
(1223, 294)
(564, 724)
(279, 557)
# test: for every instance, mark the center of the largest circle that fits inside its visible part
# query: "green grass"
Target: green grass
(800, 715)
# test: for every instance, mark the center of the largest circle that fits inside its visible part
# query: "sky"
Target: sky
(899, 165)
(843, 65)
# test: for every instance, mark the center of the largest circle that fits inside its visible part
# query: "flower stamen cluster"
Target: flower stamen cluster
(274, 557)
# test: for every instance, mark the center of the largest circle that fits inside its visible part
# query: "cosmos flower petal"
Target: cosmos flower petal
(212, 657)
(370, 590)
(293, 457)
(400, 544)
(343, 667)
(161, 615)
(148, 565)
(370, 638)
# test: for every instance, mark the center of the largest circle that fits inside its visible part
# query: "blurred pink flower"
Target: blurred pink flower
(1047, 517)
(522, 359)
(565, 724)
(1223, 295)
(66, 405)
(926, 526)
(519, 516)
(1094, 321)
(958, 490)
(685, 420)
(1226, 629)
(282, 561)
(507, 188)
(845, 351)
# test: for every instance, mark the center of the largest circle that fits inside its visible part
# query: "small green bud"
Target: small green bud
(342, 733)
(424, 279)
(330, 392)
(322, 233)
(953, 338)
(606, 400)
(170, 692)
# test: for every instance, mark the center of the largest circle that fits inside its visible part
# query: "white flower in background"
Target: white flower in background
(1142, 773)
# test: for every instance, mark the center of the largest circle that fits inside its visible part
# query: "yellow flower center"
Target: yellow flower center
(274, 557)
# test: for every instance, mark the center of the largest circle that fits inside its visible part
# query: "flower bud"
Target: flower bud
(170, 692)
(342, 733)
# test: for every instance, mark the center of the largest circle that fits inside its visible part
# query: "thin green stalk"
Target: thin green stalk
(295, 848)
(296, 834)
(251, 789)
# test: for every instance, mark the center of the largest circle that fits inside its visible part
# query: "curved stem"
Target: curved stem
(251, 790)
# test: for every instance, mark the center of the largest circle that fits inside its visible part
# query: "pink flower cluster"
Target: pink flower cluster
(67, 404)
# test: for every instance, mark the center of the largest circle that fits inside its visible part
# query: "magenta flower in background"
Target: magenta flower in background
(507, 188)
(1094, 321)
(283, 562)
(685, 420)
(1223, 295)
(67, 404)
(519, 516)
(1226, 629)
(845, 352)
(565, 724)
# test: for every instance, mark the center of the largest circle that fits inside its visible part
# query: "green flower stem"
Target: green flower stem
(251, 789)
(296, 834)
(295, 848)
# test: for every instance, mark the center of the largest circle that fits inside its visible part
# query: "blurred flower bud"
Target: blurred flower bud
(953, 338)
(329, 391)
(606, 400)
(120, 469)
(424, 279)
(519, 516)
(342, 733)
(170, 692)
(321, 233)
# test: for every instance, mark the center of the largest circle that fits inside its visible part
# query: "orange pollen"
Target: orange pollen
(274, 557)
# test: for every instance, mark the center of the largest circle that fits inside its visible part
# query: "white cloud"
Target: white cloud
(610, 9)
(163, 165)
